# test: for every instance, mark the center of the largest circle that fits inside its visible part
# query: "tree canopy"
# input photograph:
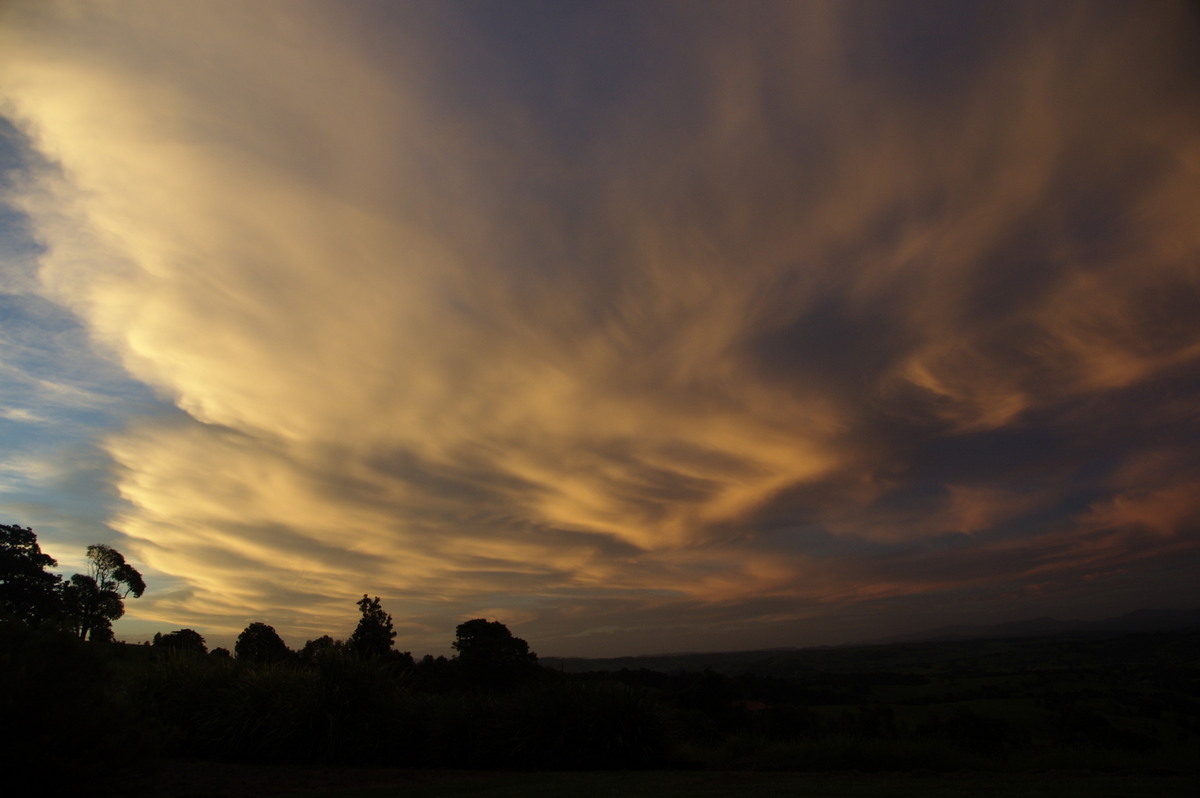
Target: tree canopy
(90, 611)
(321, 647)
(85, 604)
(186, 641)
(92, 601)
(490, 652)
(259, 642)
(108, 568)
(374, 635)
(28, 593)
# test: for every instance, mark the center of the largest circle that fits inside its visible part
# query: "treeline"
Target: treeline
(1132, 703)
(82, 705)
(488, 653)
(89, 705)
(489, 656)
(343, 709)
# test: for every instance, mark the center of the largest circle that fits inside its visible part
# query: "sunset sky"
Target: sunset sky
(640, 327)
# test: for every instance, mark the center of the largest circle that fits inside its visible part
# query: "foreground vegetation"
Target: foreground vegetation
(100, 715)
(1129, 704)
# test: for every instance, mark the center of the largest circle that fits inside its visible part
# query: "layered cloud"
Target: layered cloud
(626, 324)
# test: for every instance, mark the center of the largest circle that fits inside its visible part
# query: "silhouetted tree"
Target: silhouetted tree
(489, 653)
(259, 642)
(322, 646)
(373, 636)
(28, 593)
(220, 653)
(108, 567)
(185, 641)
(90, 611)
(92, 601)
(436, 675)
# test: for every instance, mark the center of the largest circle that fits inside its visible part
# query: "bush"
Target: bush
(61, 708)
(574, 724)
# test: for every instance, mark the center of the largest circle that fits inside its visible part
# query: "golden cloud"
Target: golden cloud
(426, 354)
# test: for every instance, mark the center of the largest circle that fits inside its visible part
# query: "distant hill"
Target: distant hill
(1137, 621)
(783, 661)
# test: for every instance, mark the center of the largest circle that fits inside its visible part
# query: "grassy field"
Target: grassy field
(184, 780)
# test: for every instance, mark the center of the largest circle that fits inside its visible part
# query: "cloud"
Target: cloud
(802, 307)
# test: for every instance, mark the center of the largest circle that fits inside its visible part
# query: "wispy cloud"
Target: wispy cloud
(684, 316)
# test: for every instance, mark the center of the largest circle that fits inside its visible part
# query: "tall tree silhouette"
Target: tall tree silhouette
(28, 593)
(374, 635)
(92, 601)
(107, 566)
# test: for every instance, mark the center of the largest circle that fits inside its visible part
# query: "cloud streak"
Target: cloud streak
(617, 319)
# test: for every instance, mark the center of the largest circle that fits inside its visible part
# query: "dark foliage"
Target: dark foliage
(89, 610)
(373, 636)
(184, 641)
(576, 724)
(108, 568)
(86, 604)
(64, 712)
(1127, 703)
(28, 593)
(323, 646)
(490, 655)
(92, 601)
(260, 643)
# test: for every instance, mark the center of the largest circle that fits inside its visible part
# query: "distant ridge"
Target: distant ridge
(1147, 620)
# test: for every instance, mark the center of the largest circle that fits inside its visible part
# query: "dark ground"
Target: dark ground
(186, 779)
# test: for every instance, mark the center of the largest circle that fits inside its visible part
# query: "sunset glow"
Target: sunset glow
(639, 327)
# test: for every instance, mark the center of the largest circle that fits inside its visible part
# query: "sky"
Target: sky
(640, 327)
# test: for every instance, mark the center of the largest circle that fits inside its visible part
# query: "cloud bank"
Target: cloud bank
(637, 327)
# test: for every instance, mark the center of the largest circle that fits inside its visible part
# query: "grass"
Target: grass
(313, 783)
